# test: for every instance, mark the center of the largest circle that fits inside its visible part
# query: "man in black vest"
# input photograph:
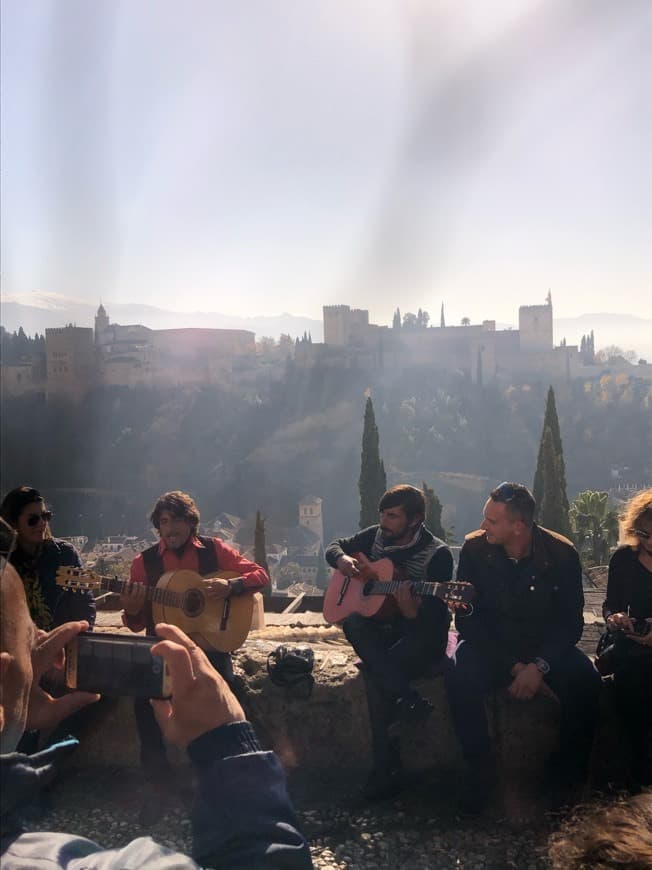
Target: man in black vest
(394, 653)
(176, 518)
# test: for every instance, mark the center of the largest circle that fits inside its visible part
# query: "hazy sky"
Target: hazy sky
(262, 156)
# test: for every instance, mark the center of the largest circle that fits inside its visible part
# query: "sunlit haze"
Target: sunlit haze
(255, 158)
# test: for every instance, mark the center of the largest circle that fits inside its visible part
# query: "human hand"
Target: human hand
(217, 587)
(132, 598)
(527, 681)
(201, 699)
(408, 602)
(619, 621)
(348, 565)
(44, 711)
(644, 639)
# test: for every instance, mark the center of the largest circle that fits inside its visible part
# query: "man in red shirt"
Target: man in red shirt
(176, 518)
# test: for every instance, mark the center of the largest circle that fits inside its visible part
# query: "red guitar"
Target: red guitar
(371, 592)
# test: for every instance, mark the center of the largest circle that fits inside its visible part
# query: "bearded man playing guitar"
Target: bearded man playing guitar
(404, 647)
(176, 518)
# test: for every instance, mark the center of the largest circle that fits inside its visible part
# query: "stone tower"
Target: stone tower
(535, 327)
(310, 515)
(101, 323)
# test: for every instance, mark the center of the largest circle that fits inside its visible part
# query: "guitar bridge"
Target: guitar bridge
(226, 610)
(345, 586)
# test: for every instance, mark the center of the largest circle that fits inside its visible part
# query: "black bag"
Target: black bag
(291, 667)
(615, 649)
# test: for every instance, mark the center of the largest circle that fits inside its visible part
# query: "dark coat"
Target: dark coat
(533, 609)
(49, 604)
(440, 566)
(242, 816)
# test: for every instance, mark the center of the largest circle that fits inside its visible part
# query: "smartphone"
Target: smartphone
(116, 664)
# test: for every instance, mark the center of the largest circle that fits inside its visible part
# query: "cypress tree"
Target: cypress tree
(373, 482)
(260, 549)
(321, 580)
(551, 422)
(552, 512)
(433, 512)
(396, 322)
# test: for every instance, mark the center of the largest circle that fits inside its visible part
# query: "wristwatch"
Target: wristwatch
(542, 665)
(236, 586)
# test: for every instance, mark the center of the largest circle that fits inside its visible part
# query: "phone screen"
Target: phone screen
(114, 664)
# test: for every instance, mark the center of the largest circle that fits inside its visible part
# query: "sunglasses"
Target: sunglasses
(35, 519)
(505, 492)
(644, 536)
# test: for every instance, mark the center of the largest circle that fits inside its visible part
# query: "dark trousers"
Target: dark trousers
(632, 693)
(392, 655)
(152, 747)
(573, 679)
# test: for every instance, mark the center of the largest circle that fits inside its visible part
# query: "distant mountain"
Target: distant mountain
(36, 312)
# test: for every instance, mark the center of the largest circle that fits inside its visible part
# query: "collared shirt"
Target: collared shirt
(228, 559)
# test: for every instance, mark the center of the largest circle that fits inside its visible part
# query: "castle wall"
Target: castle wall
(194, 343)
(17, 379)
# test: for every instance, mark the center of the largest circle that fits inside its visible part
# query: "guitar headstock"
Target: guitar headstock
(77, 579)
(457, 593)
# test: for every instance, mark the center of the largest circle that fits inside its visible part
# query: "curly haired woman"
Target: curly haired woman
(628, 611)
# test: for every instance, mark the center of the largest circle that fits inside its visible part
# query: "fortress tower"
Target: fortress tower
(101, 323)
(340, 322)
(535, 327)
(310, 515)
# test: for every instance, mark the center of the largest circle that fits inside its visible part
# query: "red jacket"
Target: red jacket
(228, 559)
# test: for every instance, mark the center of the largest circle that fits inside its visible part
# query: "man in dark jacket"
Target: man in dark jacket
(522, 634)
(242, 816)
(406, 647)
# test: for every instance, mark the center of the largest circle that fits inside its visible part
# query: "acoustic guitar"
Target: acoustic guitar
(371, 592)
(179, 598)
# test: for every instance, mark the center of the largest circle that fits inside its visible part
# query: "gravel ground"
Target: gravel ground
(420, 830)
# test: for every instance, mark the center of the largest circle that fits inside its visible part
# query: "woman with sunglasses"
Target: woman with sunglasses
(628, 613)
(37, 556)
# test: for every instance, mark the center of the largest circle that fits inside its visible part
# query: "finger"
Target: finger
(162, 712)
(66, 705)
(53, 645)
(198, 657)
(179, 663)
(171, 632)
(47, 712)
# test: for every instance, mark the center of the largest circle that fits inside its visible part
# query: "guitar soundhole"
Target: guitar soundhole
(368, 586)
(193, 602)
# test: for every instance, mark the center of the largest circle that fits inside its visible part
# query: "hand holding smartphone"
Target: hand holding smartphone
(116, 664)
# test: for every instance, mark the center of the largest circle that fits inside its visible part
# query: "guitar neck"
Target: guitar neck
(422, 587)
(152, 593)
